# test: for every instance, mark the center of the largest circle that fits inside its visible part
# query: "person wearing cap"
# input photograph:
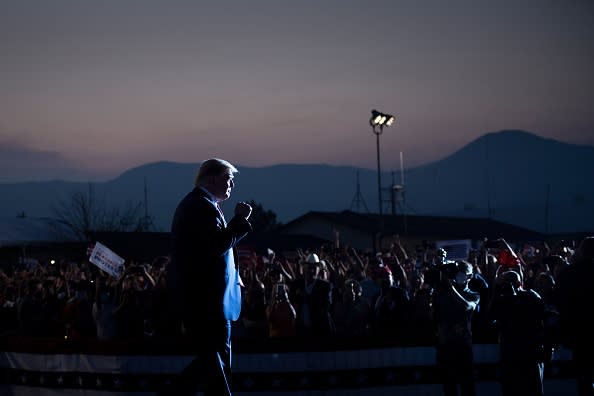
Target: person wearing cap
(312, 298)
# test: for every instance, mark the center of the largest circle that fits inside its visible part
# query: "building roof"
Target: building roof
(423, 226)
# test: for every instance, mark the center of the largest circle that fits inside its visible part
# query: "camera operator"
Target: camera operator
(519, 316)
(453, 306)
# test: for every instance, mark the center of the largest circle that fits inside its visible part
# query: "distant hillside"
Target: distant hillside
(512, 176)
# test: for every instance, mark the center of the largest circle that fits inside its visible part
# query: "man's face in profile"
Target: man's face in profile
(222, 185)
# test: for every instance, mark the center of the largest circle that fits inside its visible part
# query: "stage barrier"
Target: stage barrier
(269, 367)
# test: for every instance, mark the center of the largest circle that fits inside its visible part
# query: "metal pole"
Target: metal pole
(379, 173)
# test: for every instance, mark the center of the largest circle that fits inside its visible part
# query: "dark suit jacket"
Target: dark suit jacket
(203, 277)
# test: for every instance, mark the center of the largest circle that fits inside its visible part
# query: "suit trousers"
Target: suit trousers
(210, 371)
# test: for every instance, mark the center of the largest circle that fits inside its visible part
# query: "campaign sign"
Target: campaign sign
(107, 260)
(456, 250)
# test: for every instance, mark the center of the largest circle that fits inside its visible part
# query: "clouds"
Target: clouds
(19, 163)
(114, 84)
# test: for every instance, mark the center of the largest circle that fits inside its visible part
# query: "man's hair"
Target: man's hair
(585, 249)
(213, 167)
(511, 277)
(464, 266)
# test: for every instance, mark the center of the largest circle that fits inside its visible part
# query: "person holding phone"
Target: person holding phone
(280, 313)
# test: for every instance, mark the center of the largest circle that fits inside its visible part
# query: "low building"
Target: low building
(374, 231)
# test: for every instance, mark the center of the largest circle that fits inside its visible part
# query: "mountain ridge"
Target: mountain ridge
(512, 176)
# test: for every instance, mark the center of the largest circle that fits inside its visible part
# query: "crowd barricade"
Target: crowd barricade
(294, 366)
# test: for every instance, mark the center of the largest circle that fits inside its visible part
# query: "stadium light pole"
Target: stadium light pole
(378, 121)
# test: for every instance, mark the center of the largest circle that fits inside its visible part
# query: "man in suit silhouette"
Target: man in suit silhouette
(204, 280)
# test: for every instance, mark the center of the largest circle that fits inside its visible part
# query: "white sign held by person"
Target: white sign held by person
(107, 260)
(456, 249)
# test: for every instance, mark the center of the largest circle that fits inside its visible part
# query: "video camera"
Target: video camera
(449, 269)
(442, 274)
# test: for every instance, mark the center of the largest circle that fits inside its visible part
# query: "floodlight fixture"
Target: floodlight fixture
(377, 121)
(376, 118)
(390, 120)
(380, 120)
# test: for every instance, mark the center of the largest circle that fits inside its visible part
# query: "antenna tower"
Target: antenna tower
(146, 221)
(398, 191)
(358, 200)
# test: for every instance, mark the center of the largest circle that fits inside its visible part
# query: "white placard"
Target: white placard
(107, 260)
(456, 249)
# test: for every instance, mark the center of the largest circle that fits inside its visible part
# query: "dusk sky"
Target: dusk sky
(103, 86)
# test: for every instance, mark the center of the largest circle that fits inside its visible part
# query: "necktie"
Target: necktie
(221, 213)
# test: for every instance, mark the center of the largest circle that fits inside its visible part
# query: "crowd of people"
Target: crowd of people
(404, 293)
(322, 292)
